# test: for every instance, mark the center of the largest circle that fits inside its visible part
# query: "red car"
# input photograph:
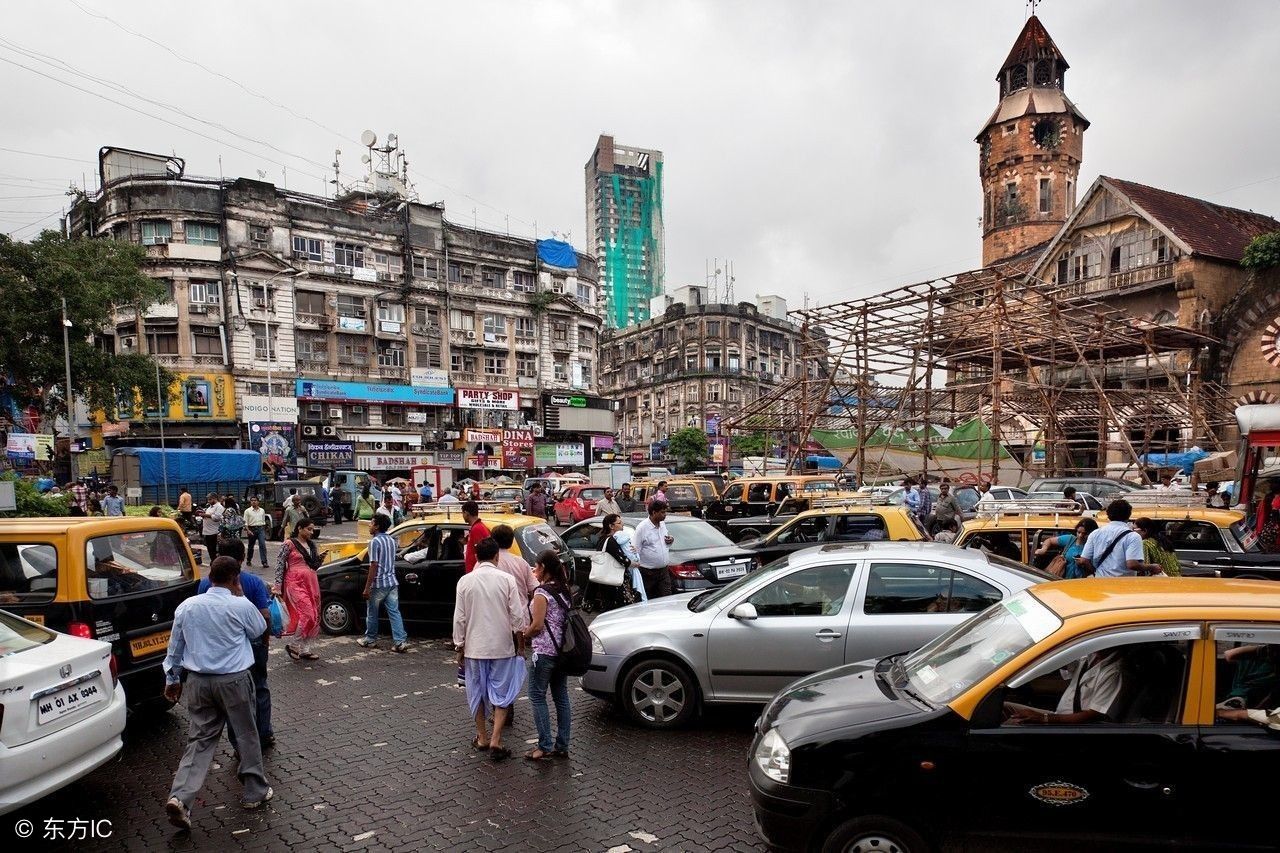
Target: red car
(577, 503)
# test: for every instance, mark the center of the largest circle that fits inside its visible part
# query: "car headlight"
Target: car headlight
(773, 757)
(597, 647)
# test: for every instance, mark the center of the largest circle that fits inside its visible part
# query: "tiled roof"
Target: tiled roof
(1034, 42)
(1208, 229)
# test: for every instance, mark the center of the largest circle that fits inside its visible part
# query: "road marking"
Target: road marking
(362, 836)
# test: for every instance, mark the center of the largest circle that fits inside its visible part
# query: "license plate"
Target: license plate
(149, 645)
(735, 571)
(54, 706)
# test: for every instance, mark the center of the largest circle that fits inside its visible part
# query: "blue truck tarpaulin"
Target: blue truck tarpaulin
(196, 466)
(1184, 462)
(557, 253)
(824, 463)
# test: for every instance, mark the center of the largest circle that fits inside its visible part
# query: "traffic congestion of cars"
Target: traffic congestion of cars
(914, 693)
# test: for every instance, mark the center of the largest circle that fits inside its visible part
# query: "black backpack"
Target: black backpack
(573, 649)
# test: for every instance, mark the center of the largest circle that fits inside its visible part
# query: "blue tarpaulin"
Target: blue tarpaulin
(557, 253)
(823, 463)
(196, 466)
(1184, 462)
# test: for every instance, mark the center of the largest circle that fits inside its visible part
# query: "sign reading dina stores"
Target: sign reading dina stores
(488, 398)
(517, 449)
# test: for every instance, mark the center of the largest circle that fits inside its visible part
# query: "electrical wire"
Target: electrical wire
(13, 232)
(49, 156)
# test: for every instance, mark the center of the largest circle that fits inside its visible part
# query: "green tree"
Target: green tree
(750, 444)
(32, 504)
(688, 447)
(93, 276)
(1263, 252)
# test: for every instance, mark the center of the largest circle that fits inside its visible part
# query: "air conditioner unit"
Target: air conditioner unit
(490, 339)
(357, 410)
(329, 431)
(452, 435)
(385, 276)
(335, 412)
(198, 308)
(471, 335)
(378, 445)
(310, 430)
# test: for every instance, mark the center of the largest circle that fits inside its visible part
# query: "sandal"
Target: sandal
(293, 653)
(476, 744)
(499, 753)
(541, 756)
(310, 656)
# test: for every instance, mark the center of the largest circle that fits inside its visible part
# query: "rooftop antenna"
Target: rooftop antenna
(729, 280)
(337, 175)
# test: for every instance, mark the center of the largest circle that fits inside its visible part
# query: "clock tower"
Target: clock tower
(1029, 150)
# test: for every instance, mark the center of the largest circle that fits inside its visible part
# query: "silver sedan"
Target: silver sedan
(812, 610)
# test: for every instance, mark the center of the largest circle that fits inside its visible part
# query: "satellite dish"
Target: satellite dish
(364, 158)
(392, 139)
(368, 139)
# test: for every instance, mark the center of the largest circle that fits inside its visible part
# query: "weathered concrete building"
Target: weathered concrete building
(695, 363)
(369, 317)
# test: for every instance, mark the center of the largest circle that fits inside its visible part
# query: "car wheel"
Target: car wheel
(659, 694)
(336, 616)
(749, 534)
(874, 834)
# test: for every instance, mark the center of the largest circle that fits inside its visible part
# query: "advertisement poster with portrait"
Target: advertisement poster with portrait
(277, 442)
(197, 397)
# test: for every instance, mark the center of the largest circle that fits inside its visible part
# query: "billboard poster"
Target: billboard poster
(331, 454)
(713, 424)
(276, 442)
(517, 449)
(569, 453)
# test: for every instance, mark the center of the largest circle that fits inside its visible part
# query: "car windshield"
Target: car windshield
(696, 534)
(536, 538)
(951, 664)
(136, 562)
(967, 498)
(713, 597)
(1246, 536)
(820, 486)
(18, 635)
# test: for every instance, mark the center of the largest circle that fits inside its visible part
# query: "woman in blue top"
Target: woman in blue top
(1071, 545)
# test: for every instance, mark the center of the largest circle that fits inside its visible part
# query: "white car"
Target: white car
(62, 710)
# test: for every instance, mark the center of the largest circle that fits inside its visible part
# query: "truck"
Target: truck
(349, 485)
(225, 472)
(439, 476)
(611, 474)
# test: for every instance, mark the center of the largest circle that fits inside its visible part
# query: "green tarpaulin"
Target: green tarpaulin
(970, 440)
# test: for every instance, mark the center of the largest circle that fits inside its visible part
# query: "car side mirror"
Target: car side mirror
(746, 611)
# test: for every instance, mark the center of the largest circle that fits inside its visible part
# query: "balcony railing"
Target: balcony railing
(1120, 280)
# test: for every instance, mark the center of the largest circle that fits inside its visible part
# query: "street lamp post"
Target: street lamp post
(162, 406)
(71, 414)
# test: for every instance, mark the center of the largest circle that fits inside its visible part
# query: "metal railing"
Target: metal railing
(1026, 506)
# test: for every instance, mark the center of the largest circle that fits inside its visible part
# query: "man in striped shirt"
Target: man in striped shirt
(382, 588)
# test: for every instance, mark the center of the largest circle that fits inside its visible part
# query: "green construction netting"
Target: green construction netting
(970, 440)
(632, 256)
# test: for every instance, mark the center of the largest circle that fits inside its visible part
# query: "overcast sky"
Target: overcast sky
(825, 147)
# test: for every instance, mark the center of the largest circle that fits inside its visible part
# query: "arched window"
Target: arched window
(1044, 72)
(1017, 78)
(1164, 318)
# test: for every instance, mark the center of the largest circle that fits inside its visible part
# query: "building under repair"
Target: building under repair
(991, 374)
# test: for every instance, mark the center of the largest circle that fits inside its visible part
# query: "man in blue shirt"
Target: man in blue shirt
(209, 650)
(381, 587)
(255, 589)
(1115, 549)
(113, 504)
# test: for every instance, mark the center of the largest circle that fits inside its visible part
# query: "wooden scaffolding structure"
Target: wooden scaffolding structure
(1036, 365)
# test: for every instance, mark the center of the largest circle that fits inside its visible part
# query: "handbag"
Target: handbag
(1057, 566)
(605, 568)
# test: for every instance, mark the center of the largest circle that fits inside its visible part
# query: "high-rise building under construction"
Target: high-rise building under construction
(624, 227)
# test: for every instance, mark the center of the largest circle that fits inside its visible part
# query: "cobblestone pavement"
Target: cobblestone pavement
(373, 753)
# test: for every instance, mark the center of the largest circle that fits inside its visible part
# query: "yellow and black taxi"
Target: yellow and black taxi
(837, 521)
(749, 506)
(118, 580)
(1100, 713)
(1208, 542)
(429, 564)
(685, 495)
(1016, 529)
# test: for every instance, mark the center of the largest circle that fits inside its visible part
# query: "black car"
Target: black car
(701, 557)
(428, 587)
(1206, 549)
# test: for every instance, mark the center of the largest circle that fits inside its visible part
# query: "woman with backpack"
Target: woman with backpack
(548, 626)
(231, 525)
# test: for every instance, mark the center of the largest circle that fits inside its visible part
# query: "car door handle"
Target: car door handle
(828, 634)
(412, 577)
(1150, 785)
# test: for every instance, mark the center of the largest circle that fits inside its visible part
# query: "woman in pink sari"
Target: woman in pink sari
(296, 577)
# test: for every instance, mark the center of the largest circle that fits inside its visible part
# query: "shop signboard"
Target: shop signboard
(567, 453)
(490, 399)
(428, 377)
(331, 454)
(255, 409)
(517, 449)
(483, 436)
(361, 392)
(276, 442)
(379, 462)
(450, 458)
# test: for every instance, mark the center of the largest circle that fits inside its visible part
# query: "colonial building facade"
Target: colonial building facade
(695, 363)
(368, 317)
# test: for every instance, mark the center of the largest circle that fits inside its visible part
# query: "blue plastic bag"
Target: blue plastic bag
(279, 616)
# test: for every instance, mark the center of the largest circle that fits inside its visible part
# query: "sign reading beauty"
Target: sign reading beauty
(488, 398)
